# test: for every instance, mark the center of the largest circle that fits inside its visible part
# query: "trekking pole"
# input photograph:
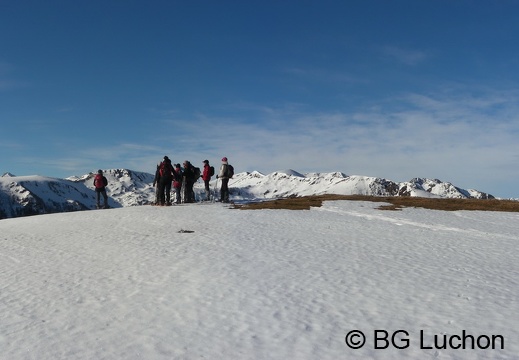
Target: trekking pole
(183, 191)
(215, 187)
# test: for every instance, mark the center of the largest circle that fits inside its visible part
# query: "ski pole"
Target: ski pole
(215, 189)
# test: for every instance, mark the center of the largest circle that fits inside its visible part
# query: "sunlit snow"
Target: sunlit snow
(209, 282)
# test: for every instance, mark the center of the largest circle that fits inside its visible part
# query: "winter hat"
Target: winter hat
(166, 158)
(206, 161)
(99, 171)
(224, 158)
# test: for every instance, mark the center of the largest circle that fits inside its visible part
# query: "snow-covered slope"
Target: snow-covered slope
(129, 284)
(31, 195)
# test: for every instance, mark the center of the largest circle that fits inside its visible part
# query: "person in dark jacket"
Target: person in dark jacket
(206, 176)
(188, 177)
(100, 183)
(166, 179)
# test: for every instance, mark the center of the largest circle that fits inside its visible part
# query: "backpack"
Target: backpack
(197, 173)
(177, 178)
(211, 171)
(165, 169)
(99, 182)
(230, 171)
(177, 175)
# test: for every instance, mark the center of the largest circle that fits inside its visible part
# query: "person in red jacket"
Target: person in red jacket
(177, 183)
(100, 183)
(206, 176)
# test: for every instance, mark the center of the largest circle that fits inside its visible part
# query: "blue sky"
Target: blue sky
(394, 89)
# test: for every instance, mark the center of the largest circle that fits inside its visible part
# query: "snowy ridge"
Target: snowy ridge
(32, 195)
(125, 187)
(254, 186)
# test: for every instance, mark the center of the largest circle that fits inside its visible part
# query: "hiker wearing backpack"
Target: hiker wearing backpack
(189, 177)
(226, 172)
(177, 183)
(100, 183)
(208, 172)
(165, 181)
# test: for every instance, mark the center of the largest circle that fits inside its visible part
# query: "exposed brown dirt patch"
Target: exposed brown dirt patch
(390, 203)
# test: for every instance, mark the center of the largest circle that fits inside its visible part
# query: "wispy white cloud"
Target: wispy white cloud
(462, 139)
(470, 140)
(405, 56)
(10, 145)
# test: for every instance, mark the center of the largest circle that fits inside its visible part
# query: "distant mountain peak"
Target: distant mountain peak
(31, 195)
(291, 172)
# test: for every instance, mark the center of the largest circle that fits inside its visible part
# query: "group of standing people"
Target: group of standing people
(183, 178)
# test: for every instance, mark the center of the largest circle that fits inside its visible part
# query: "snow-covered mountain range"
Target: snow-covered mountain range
(32, 195)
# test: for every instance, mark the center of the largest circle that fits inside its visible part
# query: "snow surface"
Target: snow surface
(209, 282)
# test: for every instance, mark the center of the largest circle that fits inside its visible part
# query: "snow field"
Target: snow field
(270, 284)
